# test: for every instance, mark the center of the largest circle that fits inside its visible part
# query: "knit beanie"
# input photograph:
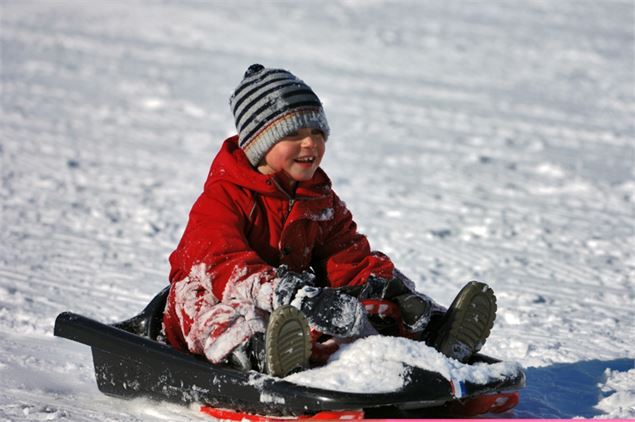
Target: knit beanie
(270, 104)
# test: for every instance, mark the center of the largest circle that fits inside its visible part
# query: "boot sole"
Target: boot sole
(287, 342)
(468, 323)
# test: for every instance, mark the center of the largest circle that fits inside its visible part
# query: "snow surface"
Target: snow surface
(472, 140)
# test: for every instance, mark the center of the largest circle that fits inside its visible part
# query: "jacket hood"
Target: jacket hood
(231, 165)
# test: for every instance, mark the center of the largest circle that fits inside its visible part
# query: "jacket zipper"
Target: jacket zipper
(291, 200)
(286, 216)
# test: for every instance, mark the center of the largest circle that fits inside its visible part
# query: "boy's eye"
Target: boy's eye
(296, 134)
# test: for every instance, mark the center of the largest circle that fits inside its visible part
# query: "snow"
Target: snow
(471, 140)
(326, 215)
(619, 392)
(379, 367)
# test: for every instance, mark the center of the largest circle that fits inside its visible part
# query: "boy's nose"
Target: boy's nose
(308, 141)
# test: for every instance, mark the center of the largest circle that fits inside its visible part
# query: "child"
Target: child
(270, 246)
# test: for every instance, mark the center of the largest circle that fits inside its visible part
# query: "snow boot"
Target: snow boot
(415, 311)
(285, 347)
(250, 356)
(467, 323)
(287, 342)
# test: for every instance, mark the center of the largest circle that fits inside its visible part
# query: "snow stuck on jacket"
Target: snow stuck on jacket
(326, 215)
(379, 366)
(484, 140)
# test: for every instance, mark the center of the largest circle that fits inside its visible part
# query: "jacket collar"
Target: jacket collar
(231, 165)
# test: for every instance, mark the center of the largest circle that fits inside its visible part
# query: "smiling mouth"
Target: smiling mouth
(305, 160)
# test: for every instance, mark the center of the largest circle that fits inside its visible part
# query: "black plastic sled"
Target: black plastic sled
(131, 360)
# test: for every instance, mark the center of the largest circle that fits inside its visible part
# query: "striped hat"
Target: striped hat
(270, 104)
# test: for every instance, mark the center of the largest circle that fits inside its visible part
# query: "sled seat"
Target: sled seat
(148, 323)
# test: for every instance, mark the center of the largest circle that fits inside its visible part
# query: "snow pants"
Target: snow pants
(196, 321)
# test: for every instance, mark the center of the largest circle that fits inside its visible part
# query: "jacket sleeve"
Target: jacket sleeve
(344, 257)
(214, 241)
(219, 283)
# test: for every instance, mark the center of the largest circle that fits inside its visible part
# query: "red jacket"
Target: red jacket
(244, 223)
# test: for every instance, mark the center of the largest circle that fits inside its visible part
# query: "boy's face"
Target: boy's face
(298, 154)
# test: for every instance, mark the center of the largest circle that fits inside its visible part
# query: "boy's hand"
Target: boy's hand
(416, 309)
(330, 311)
(379, 288)
(288, 284)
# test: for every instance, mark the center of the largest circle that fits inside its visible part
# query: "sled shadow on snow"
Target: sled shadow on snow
(567, 390)
(560, 391)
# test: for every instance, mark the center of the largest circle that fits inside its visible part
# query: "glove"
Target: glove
(288, 285)
(379, 288)
(329, 311)
(416, 308)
